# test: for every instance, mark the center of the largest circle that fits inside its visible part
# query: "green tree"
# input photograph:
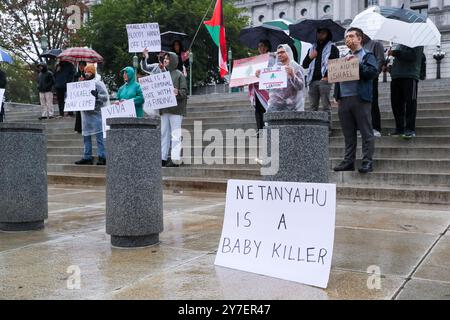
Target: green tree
(106, 32)
(22, 84)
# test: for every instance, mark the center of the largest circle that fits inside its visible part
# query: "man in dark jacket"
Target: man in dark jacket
(355, 105)
(405, 74)
(65, 72)
(2, 86)
(45, 85)
(316, 61)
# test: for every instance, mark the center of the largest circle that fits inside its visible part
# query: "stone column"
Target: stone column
(23, 177)
(134, 203)
(291, 13)
(446, 4)
(302, 149)
(395, 3)
(348, 11)
(382, 3)
(336, 10)
(434, 5)
(270, 11)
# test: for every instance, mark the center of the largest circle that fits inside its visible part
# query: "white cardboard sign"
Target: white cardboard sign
(279, 229)
(2, 95)
(273, 78)
(123, 109)
(144, 35)
(79, 97)
(158, 92)
(343, 70)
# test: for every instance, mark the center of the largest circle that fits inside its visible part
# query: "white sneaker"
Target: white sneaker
(376, 133)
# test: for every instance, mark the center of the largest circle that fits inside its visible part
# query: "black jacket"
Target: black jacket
(46, 80)
(64, 75)
(318, 63)
(2, 80)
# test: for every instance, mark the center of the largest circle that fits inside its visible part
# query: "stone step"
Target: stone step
(420, 130)
(436, 153)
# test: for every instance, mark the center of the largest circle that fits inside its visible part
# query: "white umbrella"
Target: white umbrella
(398, 25)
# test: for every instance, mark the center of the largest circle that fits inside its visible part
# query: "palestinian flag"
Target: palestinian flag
(216, 28)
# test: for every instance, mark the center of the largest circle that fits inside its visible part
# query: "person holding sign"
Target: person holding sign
(291, 98)
(132, 90)
(260, 98)
(92, 121)
(171, 118)
(355, 105)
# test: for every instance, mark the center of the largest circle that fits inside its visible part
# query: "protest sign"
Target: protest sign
(244, 70)
(79, 96)
(158, 92)
(273, 78)
(142, 36)
(279, 229)
(122, 109)
(342, 70)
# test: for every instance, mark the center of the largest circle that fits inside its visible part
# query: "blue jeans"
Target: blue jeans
(88, 146)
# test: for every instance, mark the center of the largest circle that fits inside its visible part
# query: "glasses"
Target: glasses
(281, 52)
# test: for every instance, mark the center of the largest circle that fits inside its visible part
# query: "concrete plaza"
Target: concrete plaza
(409, 243)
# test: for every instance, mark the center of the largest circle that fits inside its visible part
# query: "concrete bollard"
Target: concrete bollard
(134, 203)
(23, 177)
(303, 146)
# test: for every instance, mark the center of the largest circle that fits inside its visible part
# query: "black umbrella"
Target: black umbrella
(251, 36)
(168, 38)
(52, 53)
(306, 30)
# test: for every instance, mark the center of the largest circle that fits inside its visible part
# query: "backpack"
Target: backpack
(423, 67)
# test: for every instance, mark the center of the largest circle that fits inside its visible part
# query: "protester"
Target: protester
(260, 98)
(405, 74)
(92, 121)
(64, 73)
(355, 109)
(290, 98)
(45, 86)
(376, 47)
(316, 61)
(183, 56)
(79, 76)
(132, 90)
(3, 83)
(172, 118)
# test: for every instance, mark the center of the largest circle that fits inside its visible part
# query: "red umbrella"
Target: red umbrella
(80, 54)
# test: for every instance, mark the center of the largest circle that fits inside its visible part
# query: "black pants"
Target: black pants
(61, 96)
(78, 127)
(376, 116)
(259, 114)
(2, 111)
(404, 103)
(354, 115)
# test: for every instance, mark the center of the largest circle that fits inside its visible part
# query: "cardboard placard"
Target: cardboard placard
(79, 97)
(343, 70)
(122, 109)
(244, 70)
(279, 229)
(158, 92)
(144, 35)
(273, 78)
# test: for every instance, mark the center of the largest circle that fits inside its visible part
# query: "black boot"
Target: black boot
(345, 166)
(366, 167)
(101, 161)
(85, 162)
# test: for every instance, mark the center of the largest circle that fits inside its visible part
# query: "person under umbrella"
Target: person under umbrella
(316, 62)
(79, 76)
(260, 98)
(64, 73)
(92, 121)
(291, 98)
(183, 56)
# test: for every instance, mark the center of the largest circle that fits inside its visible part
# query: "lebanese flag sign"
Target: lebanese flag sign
(216, 28)
(244, 70)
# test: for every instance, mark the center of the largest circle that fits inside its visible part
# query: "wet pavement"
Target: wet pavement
(408, 243)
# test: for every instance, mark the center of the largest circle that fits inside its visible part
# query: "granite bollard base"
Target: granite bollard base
(23, 177)
(303, 146)
(134, 204)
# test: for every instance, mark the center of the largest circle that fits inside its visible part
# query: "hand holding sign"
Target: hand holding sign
(144, 36)
(273, 78)
(122, 109)
(158, 91)
(79, 96)
(343, 69)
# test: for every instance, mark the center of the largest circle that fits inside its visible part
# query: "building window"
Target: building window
(327, 9)
(261, 18)
(304, 12)
(282, 15)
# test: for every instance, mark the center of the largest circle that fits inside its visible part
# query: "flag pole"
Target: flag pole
(200, 25)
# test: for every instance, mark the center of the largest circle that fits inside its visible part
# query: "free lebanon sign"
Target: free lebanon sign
(279, 229)
(244, 70)
(273, 78)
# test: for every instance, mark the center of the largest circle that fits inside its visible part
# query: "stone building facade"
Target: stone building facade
(343, 11)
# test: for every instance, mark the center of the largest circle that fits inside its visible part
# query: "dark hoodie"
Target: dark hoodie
(318, 63)
(179, 82)
(46, 79)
